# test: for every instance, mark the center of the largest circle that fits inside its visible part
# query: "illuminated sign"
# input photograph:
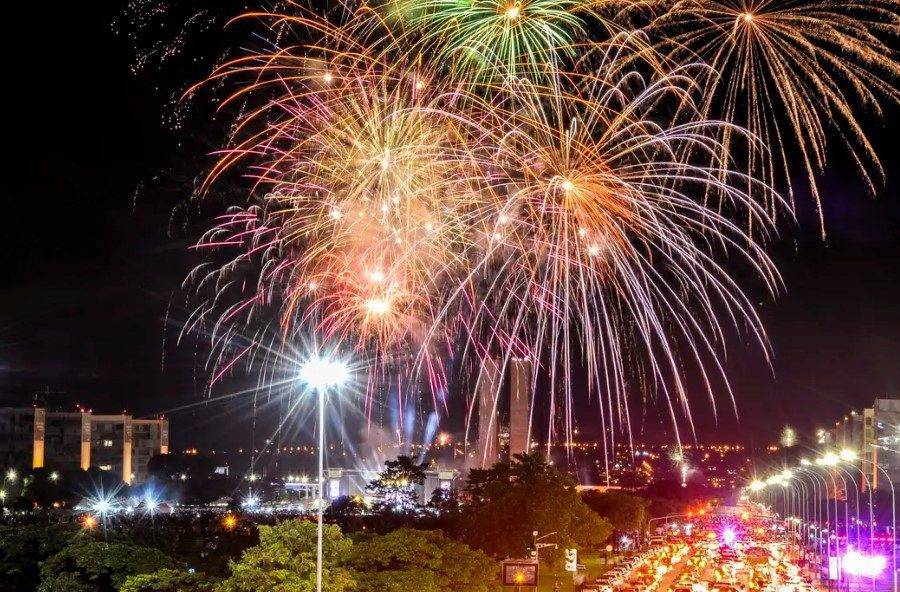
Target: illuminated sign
(863, 565)
(519, 572)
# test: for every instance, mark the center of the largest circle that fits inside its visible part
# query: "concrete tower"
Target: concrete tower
(486, 450)
(519, 406)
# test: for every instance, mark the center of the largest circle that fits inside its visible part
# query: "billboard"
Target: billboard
(519, 572)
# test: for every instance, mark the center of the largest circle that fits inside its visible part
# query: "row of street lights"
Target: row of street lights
(792, 484)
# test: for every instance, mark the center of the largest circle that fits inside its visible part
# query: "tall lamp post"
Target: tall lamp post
(320, 374)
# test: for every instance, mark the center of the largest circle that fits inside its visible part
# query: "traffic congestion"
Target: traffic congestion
(723, 550)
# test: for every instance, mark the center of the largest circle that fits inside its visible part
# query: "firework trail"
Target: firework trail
(436, 183)
(792, 72)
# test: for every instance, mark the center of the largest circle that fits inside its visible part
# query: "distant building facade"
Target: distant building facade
(352, 482)
(874, 433)
(503, 421)
(121, 444)
(488, 392)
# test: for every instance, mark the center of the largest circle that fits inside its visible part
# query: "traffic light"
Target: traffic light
(572, 560)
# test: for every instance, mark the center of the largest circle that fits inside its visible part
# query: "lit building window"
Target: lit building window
(107, 443)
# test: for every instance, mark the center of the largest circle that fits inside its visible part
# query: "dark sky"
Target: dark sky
(90, 266)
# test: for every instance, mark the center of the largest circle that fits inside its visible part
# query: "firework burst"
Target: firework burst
(601, 252)
(788, 71)
(486, 38)
(413, 216)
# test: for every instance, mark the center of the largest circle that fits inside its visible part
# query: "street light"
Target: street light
(830, 459)
(848, 455)
(320, 374)
(877, 468)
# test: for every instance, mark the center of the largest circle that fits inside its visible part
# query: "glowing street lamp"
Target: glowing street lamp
(11, 475)
(830, 459)
(869, 566)
(848, 455)
(321, 374)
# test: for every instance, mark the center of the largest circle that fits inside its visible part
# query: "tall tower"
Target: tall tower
(488, 394)
(519, 406)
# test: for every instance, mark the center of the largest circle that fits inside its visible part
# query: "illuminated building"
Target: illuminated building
(873, 434)
(353, 482)
(119, 443)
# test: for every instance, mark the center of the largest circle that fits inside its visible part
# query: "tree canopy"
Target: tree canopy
(507, 502)
(425, 561)
(624, 511)
(395, 488)
(24, 548)
(403, 560)
(168, 580)
(285, 561)
(97, 566)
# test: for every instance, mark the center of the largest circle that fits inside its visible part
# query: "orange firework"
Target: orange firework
(405, 212)
(788, 70)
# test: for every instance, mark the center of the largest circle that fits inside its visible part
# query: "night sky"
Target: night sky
(96, 247)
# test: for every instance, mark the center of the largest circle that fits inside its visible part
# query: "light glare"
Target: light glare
(322, 374)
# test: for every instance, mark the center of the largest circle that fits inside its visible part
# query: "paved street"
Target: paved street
(725, 550)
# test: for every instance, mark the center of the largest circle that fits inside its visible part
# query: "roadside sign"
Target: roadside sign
(572, 560)
(519, 572)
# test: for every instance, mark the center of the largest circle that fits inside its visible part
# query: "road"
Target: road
(725, 550)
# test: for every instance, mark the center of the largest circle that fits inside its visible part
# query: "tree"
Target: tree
(444, 501)
(99, 566)
(402, 561)
(285, 561)
(345, 507)
(395, 488)
(66, 582)
(624, 511)
(168, 580)
(424, 561)
(507, 502)
(24, 548)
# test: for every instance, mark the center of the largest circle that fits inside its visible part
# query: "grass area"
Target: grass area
(594, 566)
